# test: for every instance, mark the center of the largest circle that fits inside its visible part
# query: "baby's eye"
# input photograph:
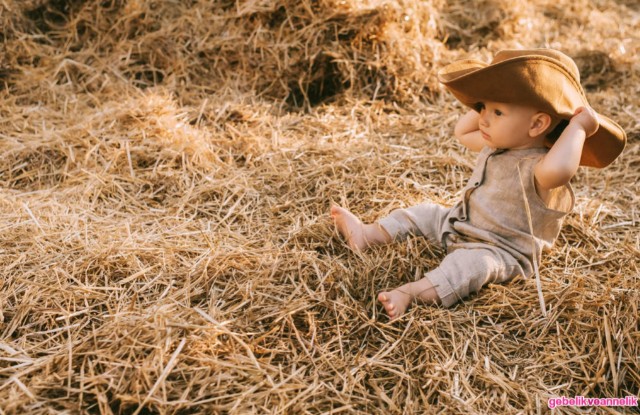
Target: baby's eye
(479, 106)
(497, 112)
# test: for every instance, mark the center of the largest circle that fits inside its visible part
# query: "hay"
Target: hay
(166, 170)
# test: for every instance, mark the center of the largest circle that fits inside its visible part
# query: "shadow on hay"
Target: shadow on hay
(34, 169)
(325, 82)
(53, 15)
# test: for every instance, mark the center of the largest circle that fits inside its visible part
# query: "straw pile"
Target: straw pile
(166, 170)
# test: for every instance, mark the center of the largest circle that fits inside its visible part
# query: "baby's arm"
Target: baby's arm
(560, 164)
(468, 132)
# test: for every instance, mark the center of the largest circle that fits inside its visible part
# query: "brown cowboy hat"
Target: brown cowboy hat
(543, 78)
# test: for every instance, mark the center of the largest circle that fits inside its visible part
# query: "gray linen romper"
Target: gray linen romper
(487, 234)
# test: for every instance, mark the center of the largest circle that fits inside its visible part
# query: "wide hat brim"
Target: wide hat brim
(542, 78)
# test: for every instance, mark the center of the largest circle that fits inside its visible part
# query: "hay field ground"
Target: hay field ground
(166, 170)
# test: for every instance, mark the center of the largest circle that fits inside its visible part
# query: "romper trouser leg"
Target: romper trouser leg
(466, 269)
(426, 220)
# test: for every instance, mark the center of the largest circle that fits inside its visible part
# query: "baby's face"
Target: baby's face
(506, 125)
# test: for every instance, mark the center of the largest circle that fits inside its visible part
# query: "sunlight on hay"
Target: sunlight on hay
(159, 118)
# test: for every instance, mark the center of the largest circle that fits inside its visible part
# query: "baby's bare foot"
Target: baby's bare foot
(395, 302)
(357, 234)
(350, 227)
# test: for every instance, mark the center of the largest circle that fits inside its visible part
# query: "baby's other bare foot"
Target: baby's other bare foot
(350, 227)
(395, 302)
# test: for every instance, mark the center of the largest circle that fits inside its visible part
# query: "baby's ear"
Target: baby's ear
(540, 122)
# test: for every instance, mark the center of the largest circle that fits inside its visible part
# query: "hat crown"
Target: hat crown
(556, 56)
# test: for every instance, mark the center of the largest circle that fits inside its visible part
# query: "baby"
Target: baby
(533, 127)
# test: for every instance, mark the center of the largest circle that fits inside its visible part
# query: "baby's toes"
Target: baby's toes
(385, 299)
(390, 307)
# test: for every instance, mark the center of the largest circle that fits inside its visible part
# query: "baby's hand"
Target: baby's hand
(586, 118)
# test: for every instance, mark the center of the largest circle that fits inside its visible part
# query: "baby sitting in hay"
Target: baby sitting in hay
(532, 124)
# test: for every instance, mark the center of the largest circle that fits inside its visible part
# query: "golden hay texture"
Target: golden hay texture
(166, 170)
